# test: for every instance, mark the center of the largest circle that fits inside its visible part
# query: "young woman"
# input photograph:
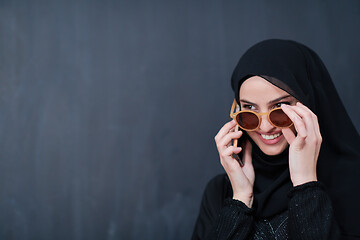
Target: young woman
(294, 173)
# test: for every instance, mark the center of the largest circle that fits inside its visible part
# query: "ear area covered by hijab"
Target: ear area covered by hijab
(299, 71)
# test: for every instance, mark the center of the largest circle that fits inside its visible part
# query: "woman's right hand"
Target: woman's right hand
(241, 178)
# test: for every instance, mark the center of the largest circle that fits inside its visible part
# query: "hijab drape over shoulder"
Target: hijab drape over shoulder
(299, 71)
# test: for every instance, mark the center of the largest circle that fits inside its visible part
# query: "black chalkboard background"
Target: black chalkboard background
(108, 109)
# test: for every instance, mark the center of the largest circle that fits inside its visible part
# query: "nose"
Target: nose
(265, 125)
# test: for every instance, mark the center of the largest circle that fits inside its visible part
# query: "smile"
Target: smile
(270, 137)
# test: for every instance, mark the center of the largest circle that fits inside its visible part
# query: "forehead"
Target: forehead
(257, 89)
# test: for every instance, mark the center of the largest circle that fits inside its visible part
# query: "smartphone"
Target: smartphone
(239, 143)
(242, 140)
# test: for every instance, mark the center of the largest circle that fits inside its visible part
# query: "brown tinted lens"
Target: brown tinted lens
(247, 120)
(280, 119)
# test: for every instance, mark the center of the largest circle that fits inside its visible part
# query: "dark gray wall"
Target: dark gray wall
(108, 109)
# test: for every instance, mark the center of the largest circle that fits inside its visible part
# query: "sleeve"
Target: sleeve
(221, 218)
(311, 213)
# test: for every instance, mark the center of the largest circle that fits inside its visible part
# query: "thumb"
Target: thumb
(296, 142)
(288, 134)
(247, 153)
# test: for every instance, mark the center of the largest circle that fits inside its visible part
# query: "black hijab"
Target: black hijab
(303, 75)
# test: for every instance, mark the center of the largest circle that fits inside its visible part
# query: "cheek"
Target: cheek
(253, 136)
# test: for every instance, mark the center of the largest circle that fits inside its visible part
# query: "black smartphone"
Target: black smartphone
(242, 140)
(240, 143)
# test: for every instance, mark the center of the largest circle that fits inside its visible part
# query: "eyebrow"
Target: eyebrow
(271, 102)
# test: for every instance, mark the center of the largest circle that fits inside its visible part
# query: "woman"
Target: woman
(287, 179)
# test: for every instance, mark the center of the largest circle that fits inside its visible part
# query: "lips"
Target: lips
(270, 138)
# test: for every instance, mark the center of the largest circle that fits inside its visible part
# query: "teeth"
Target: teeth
(270, 136)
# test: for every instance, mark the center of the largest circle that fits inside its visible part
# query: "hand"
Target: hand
(305, 147)
(241, 178)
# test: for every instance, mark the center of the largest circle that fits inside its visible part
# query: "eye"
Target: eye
(277, 105)
(247, 107)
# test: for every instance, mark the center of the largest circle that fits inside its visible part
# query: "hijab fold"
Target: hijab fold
(299, 71)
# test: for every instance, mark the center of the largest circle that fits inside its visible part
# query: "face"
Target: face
(258, 95)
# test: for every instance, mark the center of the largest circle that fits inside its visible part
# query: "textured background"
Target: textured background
(108, 109)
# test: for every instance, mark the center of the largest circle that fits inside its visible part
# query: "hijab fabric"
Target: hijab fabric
(299, 71)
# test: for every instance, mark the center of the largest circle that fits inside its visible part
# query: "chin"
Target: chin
(270, 149)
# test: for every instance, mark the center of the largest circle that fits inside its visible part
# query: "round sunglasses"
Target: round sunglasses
(251, 121)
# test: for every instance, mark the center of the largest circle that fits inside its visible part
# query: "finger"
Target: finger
(289, 135)
(229, 158)
(226, 140)
(316, 127)
(308, 117)
(314, 117)
(225, 129)
(296, 119)
(230, 150)
(247, 153)
(304, 115)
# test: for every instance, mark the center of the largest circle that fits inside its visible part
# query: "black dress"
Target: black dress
(314, 210)
(309, 215)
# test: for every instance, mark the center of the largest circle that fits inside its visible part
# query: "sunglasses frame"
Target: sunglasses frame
(235, 110)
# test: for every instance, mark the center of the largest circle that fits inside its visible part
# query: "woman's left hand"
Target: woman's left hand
(305, 146)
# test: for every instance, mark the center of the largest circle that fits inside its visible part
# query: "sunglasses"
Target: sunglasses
(250, 120)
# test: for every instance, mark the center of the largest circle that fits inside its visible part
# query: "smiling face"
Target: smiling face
(258, 95)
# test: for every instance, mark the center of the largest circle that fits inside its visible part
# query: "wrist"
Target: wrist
(303, 179)
(247, 199)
